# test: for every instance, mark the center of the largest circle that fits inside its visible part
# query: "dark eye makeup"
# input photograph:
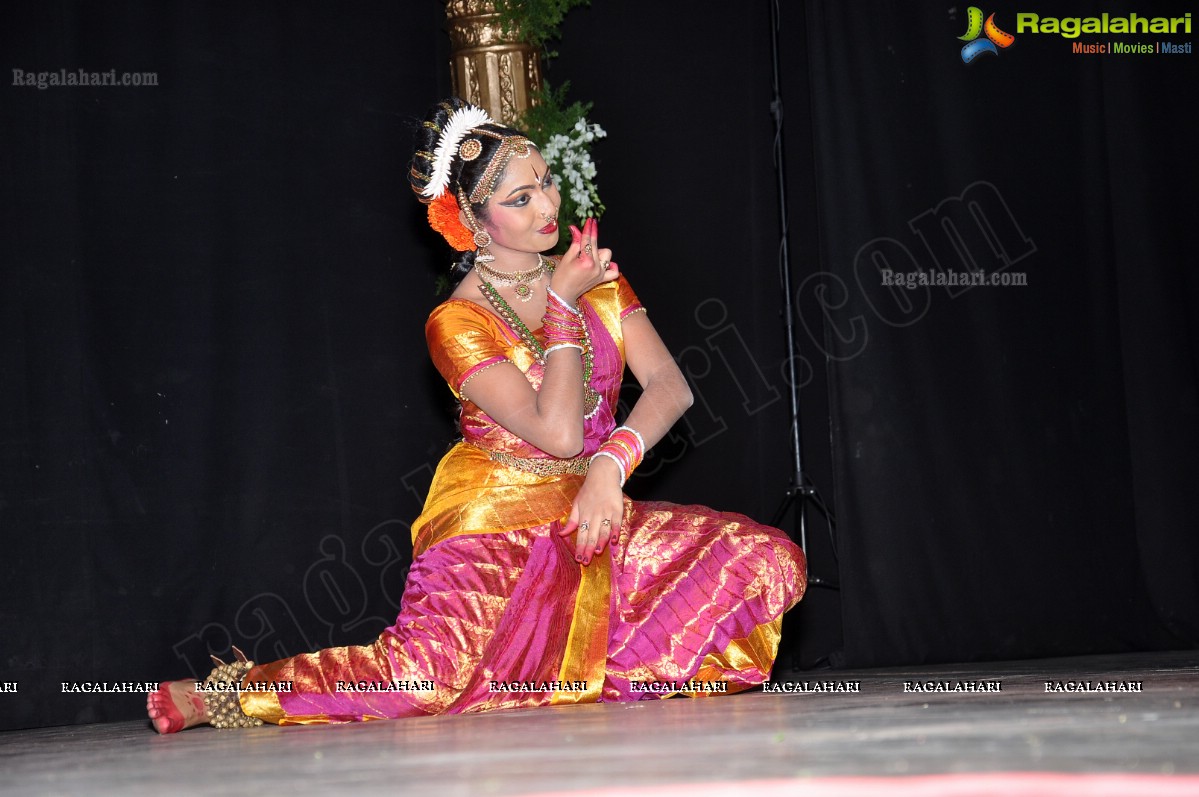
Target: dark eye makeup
(523, 199)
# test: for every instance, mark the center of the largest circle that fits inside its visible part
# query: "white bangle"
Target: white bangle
(572, 308)
(612, 457)
(557, 346)
(636, 434)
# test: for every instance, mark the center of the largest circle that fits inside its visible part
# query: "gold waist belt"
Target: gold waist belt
(540, 466)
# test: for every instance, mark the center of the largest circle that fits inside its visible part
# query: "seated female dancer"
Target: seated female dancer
(535, 580)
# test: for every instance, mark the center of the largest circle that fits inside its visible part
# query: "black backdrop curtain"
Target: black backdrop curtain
(1015, 465)
(218, 416)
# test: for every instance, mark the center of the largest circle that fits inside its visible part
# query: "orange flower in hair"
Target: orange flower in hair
(444, 217)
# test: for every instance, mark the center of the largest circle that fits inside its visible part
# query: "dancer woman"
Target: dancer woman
(536, 581)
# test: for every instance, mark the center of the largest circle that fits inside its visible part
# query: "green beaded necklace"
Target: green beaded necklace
(591, 398)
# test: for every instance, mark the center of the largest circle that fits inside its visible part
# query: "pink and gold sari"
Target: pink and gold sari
(497, 613)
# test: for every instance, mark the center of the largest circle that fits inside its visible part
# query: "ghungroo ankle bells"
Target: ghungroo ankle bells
(221, 690)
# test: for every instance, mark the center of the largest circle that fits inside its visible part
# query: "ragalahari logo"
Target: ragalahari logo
(995, 38)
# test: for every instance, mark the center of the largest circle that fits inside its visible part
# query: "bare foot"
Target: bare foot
(175, 706)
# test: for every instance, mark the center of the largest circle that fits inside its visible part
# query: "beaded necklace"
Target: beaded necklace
(591, 399)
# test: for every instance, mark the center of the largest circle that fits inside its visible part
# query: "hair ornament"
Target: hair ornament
(510, 146)
(456, 128)
(443, 217)
(470, 149)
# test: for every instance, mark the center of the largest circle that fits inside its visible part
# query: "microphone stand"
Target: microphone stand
(802, 491)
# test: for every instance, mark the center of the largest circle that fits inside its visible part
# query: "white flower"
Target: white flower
(570, 156)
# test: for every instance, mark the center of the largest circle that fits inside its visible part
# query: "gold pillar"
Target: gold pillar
(497, 72)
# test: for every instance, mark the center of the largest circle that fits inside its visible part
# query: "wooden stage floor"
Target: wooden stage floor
(722, 745)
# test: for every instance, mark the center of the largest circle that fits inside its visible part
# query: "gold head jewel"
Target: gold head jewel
(458, 137)
(510, 146)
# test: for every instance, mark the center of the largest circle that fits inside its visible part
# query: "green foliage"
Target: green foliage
(537, 20)
(551, 115)
(565, 138)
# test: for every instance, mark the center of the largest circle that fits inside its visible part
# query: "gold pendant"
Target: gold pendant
(523, 292)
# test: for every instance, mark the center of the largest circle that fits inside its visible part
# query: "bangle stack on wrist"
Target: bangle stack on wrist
(563, 324)
(565, 328)
(626, 448)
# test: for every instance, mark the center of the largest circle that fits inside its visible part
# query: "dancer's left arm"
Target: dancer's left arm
(664, 398)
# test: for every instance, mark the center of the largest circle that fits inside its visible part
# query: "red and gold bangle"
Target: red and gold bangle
(630, 440)
(561, 322)
(636, 435)
(626, 447)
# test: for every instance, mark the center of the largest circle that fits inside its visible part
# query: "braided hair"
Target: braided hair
(464, 175)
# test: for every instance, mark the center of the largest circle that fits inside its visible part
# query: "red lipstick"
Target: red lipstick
(549, 228)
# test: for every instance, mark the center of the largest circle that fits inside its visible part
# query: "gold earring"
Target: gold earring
(481, 237)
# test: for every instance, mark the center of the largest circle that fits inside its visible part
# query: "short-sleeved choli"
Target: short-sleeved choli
(463, 339)
(626, 300)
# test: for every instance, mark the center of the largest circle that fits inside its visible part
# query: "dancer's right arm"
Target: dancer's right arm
(550, 418)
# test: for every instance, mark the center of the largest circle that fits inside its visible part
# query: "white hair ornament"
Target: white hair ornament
(456, 129)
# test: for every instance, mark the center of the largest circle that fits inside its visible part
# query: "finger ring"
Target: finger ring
(587, 248)
(604, 263)
(607, 522)
(584, 526)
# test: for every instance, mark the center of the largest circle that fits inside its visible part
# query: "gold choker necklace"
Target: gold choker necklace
(520, 279)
